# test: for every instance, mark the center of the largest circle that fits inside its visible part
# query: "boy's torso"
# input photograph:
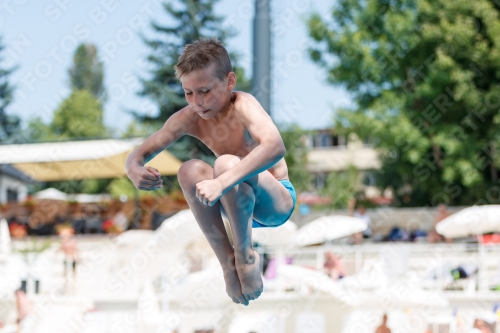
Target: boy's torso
(228, 135)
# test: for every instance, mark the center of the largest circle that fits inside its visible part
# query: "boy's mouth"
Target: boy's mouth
(203, 112)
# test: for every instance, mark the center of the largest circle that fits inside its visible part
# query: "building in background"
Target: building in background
(329, 152)
(13, 184)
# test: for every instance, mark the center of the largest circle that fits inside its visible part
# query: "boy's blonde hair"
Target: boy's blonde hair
(201, 54)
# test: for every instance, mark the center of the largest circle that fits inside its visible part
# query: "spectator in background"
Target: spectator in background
(383, 327)
(361, 214)
(433, 236)
(333, 266)
(70, 250)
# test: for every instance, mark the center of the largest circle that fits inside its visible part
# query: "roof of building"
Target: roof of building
(9, 170)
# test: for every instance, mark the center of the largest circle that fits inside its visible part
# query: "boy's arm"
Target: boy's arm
(149, 179)
(269, 151)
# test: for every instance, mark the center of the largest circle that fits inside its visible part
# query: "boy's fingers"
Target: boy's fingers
(154, 171)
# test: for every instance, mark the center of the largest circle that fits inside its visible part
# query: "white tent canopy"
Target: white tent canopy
(64, 151)
(51, 194)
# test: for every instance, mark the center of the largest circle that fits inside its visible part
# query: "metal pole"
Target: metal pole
(137, 209)
(261, 78)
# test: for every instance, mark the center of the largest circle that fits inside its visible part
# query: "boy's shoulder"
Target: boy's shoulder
(244, 99)
(245, 103)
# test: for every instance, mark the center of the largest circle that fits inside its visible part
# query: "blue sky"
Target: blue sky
(41, 36)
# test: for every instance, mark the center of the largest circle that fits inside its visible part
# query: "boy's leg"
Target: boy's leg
(261, 197)
(210, 221)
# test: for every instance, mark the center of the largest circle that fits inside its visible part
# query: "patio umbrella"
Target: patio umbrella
(400, 294)
(328, 228)
(279, 237)
(134, 238)
(178, 230)
(316, 280)
(148, 308)
(473, 220)
(204, 288)
(5, 244)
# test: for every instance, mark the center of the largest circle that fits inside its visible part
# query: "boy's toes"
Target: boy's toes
(235, 300)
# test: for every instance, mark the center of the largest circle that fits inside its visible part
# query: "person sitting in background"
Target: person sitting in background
(482, 326)
(333, 266)
(70, 250)
(361, 214)
(433, 236)
(383, 327)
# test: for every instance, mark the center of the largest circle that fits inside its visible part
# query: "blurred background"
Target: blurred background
(389, 111)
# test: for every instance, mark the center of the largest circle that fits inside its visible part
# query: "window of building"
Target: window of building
(11, 195)
(320, 180)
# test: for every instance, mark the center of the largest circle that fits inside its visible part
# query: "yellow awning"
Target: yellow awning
(106, 167)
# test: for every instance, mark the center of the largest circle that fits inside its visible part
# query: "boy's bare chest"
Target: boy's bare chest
(228, 137)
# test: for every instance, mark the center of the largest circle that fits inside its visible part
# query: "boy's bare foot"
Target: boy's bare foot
(249, 274)
(233, 287)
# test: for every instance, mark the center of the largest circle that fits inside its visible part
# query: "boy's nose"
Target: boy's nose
(198, 101)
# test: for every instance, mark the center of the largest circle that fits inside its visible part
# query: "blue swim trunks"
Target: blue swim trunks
(288, 185)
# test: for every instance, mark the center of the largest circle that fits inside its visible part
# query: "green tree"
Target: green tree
(193, 19)
(9, 124)
(79, 116)
(296, 157)
(342, 187)
(424, 76)
(86, 71)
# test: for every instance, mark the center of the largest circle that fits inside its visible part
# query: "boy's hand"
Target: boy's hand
(209, 191)
(145, 178)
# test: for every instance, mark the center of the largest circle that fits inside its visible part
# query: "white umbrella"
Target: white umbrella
(178, 230)
(51, 194)
(328, 228)
(204, 288)
(280, 236)
(316, 280)
(148, 308)
(401, 294)
(134, 238)
(475, 220)
(471, 221)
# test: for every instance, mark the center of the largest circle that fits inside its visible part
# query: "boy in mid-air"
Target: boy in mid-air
(249, 181)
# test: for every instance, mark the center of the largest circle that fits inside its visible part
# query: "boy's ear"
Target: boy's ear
(231, 81)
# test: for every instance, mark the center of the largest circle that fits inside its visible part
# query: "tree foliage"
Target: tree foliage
(296, 157)
(424, 76)
(79, 116)
(86, 72)
(9, 124)
(193, 19)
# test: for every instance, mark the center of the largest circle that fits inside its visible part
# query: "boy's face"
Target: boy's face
(205, 93)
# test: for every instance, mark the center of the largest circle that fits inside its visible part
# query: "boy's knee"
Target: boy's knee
(224, 163)
(192, 171)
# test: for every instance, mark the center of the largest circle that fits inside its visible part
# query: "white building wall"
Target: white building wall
(7, 182)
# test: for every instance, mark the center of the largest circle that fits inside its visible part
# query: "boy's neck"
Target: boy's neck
(227, 108)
